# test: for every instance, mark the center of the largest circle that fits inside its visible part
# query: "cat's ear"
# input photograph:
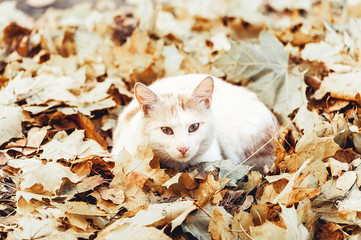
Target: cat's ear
(203, 92)
(146, 97)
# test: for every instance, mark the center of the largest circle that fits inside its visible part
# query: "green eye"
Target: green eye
(167, 130)
(193, 127)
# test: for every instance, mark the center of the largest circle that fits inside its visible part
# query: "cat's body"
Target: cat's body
(186, 124)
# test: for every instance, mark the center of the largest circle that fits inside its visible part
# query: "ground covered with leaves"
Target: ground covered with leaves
(67, 73)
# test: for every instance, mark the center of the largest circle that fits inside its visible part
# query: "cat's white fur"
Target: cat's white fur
(233, 122)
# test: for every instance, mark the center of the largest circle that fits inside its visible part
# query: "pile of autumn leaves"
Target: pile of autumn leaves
(59, 94)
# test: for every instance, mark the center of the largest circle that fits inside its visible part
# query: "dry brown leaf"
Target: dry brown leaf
(140, 164)
(156, 215)
(90, 133)
(127, 230)
(80, 208)
(267, 194)
(309, 146)
(330, 231)
(10, 122)
(71, 147)
(267, 230)
(207, 192)
(219, 226)
(36, 137)
(49, 175)
(346, 180)
(87, 183)
(114, 195)
(349, 207)
(30, 227)
(107, 205)
(295, 228)
(342, 86)
(241, 224)
(180, 184)
(337, 167)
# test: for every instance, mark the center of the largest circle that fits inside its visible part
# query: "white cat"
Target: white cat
(196, 118)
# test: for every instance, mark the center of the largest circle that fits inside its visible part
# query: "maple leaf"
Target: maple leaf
(70, 147)
(30, 227)
(140, 163)
(264, 69)
(49, 175)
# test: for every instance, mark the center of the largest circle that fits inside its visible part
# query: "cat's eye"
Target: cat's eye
(193, 127)
(167, 130)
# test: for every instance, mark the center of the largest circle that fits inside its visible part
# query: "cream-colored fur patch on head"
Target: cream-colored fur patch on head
(180, 126)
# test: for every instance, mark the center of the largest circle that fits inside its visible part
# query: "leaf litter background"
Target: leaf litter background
(67, 73)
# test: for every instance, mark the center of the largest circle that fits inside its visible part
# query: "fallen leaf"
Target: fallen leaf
(71, 147)
(140, 163)
(337, 167)
(197, 223)
(49, 175)
(127, 230)
(346, 180)
(267, 230)
(341, 86)
(80, 208)
(10, 122)
(219, 225)
(241, 224)
(295, 228)
(40, 227)
(309, 146)
(112, 194)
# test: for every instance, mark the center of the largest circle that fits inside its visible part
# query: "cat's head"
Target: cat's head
(180, 127)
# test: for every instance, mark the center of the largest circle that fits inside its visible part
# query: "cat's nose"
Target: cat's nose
(183, 150)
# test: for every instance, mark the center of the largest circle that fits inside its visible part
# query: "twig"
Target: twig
(328, 109)
(202, 209)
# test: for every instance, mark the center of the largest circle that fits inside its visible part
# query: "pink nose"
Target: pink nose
(183, 150)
